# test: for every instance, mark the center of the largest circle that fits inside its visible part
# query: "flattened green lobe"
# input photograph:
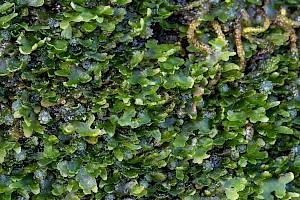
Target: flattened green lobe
(107, 99)
(86, 181)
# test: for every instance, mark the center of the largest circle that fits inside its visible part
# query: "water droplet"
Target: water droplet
(224, 88)
(16, 105)
(266, 87)
(44, 117)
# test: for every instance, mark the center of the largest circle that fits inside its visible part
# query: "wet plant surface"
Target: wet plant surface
(158, 99)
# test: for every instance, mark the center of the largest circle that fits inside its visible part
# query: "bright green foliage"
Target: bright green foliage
(86, 181)
(34, 3)
(277, 186)
(233, 186)
(158, 99)
(7, 14)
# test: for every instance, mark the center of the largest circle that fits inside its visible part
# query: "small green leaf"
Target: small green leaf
(278, 38)
(6, 6)
(62, 167)
(270, 65)
(230, 66)
(86, 181)
(137, 57)
(77, 76)
(118, 153)
(233, 186)
(71, 196)
(172, 63)
(2, 155)
(256, 2)
(67, 33)
(136, 190)
(77, 8)
(29, 44)
(36, 3)
(5, 19)
(160, 52)
(200, 155)
(178, 80)
(61, 45)
(217, 43)
(57, 189)
(89, 27)
(237, 116)
(158, 176)
(284, 130)
(258, 115)
(121, 1)
(33, 3)
(180, 140)
(277, 185)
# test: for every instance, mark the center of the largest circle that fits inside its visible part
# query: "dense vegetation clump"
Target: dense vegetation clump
(157, 99)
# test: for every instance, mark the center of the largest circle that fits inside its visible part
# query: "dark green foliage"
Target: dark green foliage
(123, 99)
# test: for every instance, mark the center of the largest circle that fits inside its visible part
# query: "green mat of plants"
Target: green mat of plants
(155, 99)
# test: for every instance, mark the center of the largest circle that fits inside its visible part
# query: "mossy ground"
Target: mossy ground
(158, 99)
